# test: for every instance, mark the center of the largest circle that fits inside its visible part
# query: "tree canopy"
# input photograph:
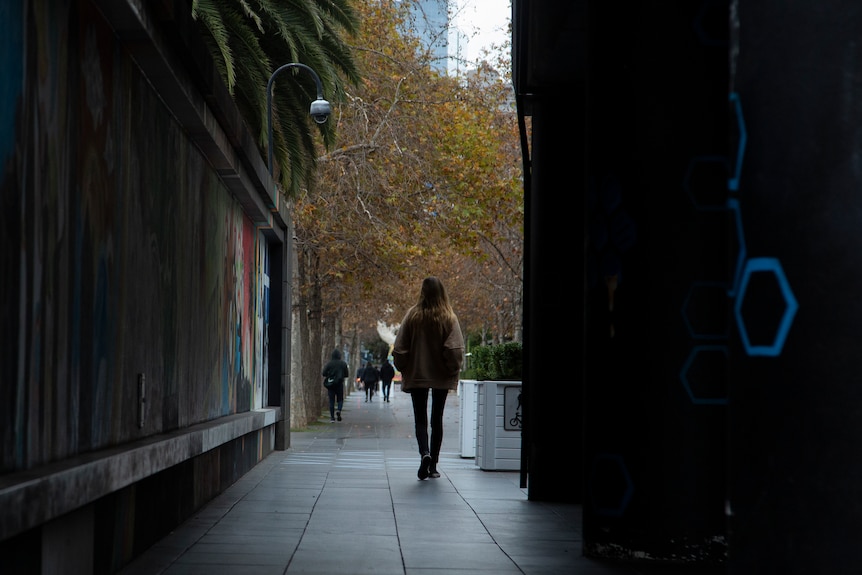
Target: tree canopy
(424, 178)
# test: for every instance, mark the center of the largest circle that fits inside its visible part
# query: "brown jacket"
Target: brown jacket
(427, 359)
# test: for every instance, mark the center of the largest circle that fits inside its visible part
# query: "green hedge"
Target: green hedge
(495, 362)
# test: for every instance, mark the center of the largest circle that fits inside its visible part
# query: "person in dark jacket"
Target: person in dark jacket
(358, 384)
(387, 372)
(336, 369)
(429, 351)
(370, 377)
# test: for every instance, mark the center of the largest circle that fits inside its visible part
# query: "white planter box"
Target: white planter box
(468, 392)
(498, 425)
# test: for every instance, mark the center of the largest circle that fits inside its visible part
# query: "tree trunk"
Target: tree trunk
(346, 346)
(311, 357)
(354, 361)
(298, 412)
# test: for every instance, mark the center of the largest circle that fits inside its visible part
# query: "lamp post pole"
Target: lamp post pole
(320, 108)
(320, 111)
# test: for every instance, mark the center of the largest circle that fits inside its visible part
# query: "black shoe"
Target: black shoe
(338, 415)
(432, 472)
(424, 467)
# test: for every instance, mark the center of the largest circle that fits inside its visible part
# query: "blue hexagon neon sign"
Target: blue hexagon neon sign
(733, 182)
(624, 497)
(733, 205)
(697, 352)
(771, 265)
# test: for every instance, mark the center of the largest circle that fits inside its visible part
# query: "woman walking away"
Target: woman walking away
(334, 373)
(429, 351)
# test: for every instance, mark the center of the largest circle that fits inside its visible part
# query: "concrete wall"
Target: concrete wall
(137, 243)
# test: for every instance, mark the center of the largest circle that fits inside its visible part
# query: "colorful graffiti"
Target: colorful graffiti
(123, 253)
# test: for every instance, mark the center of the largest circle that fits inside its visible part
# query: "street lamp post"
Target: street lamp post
(320, 108)
(320, 111)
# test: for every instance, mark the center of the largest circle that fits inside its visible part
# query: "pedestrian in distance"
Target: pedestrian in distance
(359, 377)
(387, 372)
(334, 373)
(429, 351)
(370, 377)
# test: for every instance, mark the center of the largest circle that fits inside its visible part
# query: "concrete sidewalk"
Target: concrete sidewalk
(345, 499)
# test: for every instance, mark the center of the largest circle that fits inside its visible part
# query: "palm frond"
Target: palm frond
(251, 14)
(209, 14)
(250, 39)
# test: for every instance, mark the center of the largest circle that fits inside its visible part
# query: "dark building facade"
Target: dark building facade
(694, 165)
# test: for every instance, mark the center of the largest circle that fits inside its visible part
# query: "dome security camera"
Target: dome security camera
(320, 110)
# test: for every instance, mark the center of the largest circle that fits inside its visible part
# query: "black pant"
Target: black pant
(420, 416)
(386, 386)
(336, 393)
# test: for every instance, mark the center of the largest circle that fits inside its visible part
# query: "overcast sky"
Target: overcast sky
(488, 19)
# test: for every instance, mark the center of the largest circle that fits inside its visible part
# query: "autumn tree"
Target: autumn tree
(424, 178)
(362, 225)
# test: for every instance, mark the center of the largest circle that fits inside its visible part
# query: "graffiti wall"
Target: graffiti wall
(124, 261)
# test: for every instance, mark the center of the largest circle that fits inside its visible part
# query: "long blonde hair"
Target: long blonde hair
(433, 307)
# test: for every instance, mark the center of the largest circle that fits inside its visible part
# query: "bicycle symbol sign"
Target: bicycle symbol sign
(512, 408)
